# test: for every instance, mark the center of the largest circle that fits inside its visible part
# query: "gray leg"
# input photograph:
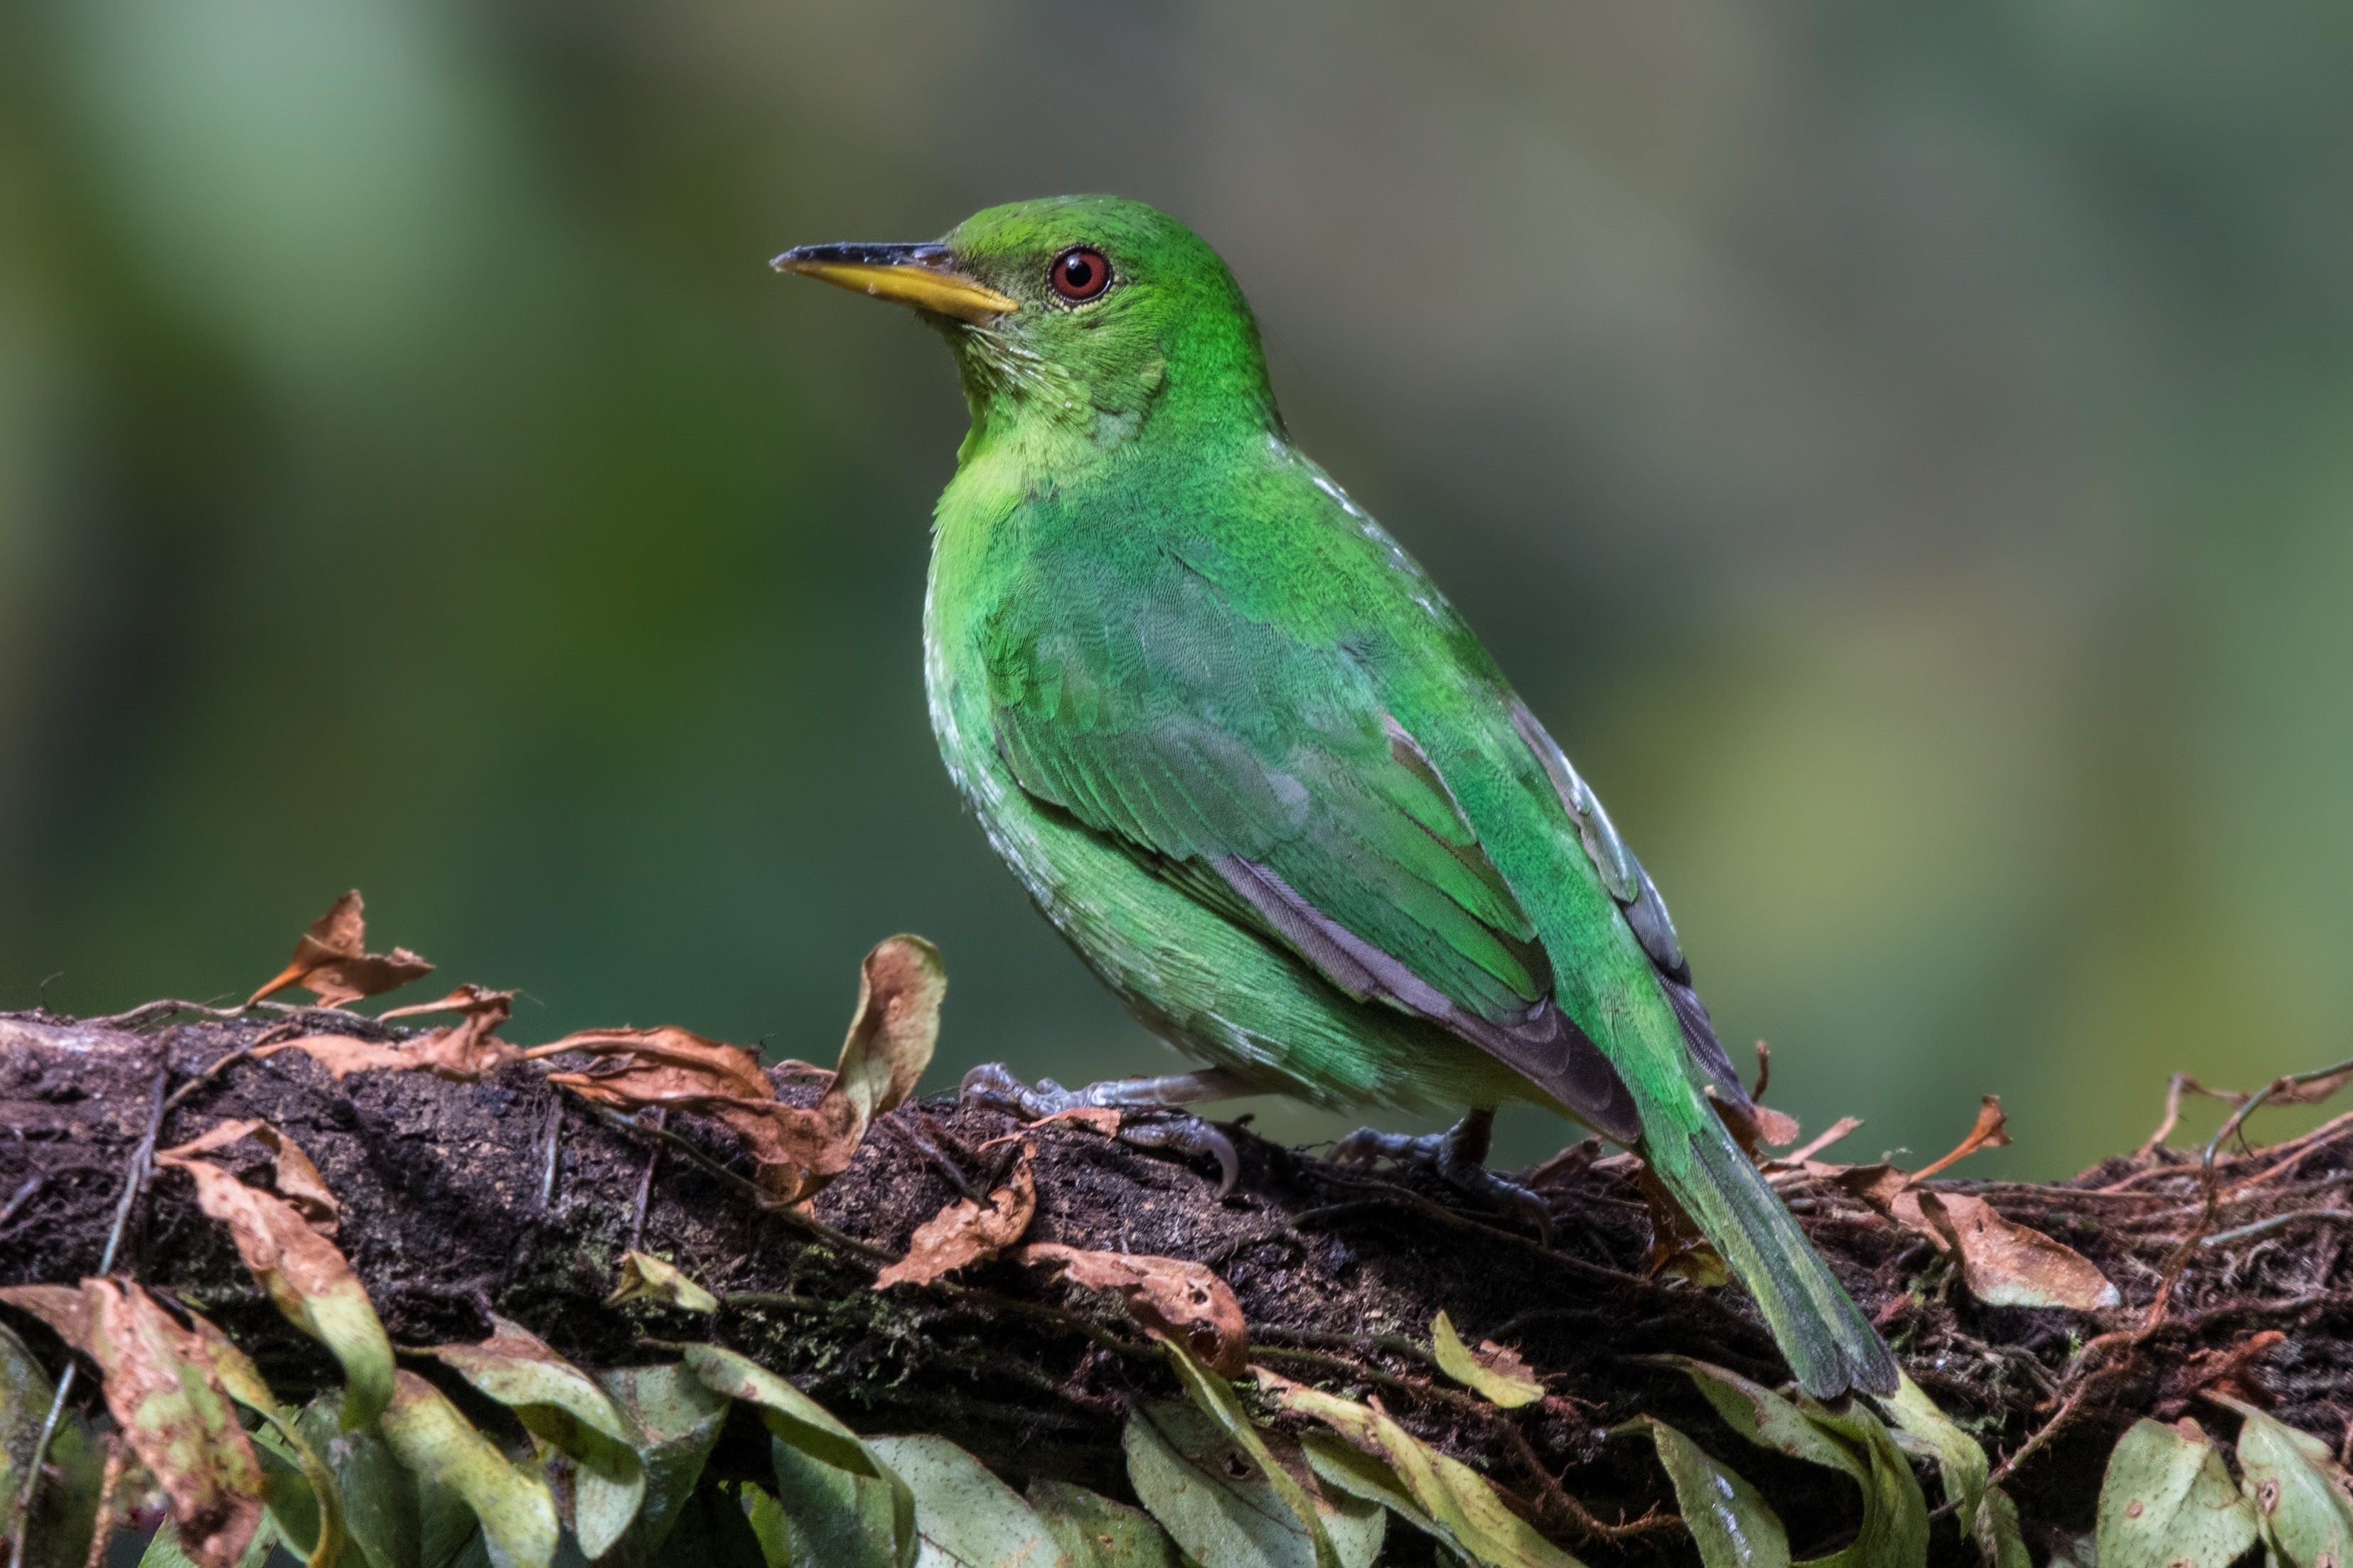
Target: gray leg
(1458, 1156)
(1152, 1107)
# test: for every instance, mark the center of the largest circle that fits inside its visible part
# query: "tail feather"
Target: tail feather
(1830, 1345)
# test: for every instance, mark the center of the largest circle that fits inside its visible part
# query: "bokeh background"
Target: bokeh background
(1906, 453)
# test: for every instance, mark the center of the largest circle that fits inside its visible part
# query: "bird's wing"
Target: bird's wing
(1261, 771)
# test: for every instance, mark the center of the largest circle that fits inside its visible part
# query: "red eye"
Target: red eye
(1079, 274)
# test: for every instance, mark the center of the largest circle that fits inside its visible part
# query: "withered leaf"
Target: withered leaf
(965, 1232)
(2003, 1263)
(1991, 1131)
(797, 1151)
(161, 1390)
(1754, 1125)
(682, 1071)
(1834, 1134)
(464, 1052)
(299, 1181)
(332, 960)
(1185, 1301)
(890, 1044)
(306, 1277)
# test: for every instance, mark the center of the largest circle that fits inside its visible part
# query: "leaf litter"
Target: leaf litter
(2218, 1203)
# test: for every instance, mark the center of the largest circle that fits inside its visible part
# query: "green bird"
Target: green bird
(1261, 775)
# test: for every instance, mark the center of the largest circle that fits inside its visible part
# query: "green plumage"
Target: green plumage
(1255, 768)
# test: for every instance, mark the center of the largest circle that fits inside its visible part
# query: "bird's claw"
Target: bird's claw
(1182, 1132)
(1454, 1157)
(992, 1086)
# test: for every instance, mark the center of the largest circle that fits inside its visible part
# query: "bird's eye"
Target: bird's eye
(1079, 274)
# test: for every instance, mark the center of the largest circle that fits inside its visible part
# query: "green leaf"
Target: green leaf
(2169, 1502)
(378, 1493)
(1894, 1533)
(1502, 1379)
(712, 1531)
(1342, 1467)
(1451, 1499)
(965, 1516)
(428, 1435)
(2000, 1542)
(1096, 1532)
(1921, 1428)
(1341, 1532)
(1728, 1520)
(678, 1420)
(2299, 1494)
(1988, 1516)
(832, 1517)
(1766, 1419)
(1206, 1492)
(645, 1278)
(563, 1407)
(800, 1421)
(65, 1510)
(767, 1516)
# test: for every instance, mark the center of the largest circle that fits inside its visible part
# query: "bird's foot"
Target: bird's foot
(1151, 1109)
(1456, 1156)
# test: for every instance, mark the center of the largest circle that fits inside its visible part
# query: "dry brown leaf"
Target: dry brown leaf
(797, 1151)
(1776, 1129)
(465, 1052)
(1991, 1131)
(890, 1044)
(965, 1232)
(683, 1071)
(304, 1274)
(331, 960)
(270, 1233)
(1754, 1125)
(2003, 1263)
(298, 1179)
(1186, 1301)
(163, 1395)
(1835, 1132)
(2294, 1090)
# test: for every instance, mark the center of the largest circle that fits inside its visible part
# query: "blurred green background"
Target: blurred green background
(1903, 452)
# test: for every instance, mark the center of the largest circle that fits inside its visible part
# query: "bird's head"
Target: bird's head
(1090, 316)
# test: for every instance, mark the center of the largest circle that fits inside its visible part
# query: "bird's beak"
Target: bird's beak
(924, 276)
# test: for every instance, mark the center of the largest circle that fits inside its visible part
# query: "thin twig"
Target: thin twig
(2277, 1222)
(555, 1136)
(645, 1182)
(23, 1194)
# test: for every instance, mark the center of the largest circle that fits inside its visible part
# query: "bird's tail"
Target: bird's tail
(1828, 1342)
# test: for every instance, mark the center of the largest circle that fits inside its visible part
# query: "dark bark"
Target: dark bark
(460, 1199)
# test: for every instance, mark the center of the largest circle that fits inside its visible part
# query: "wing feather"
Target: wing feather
(1205, 742)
